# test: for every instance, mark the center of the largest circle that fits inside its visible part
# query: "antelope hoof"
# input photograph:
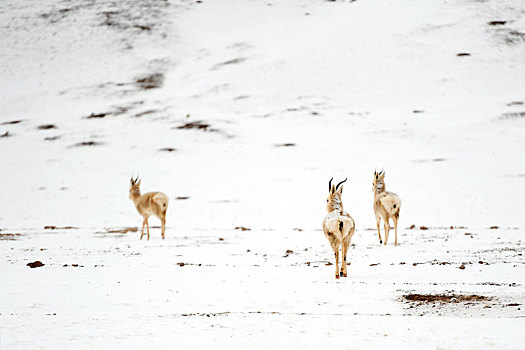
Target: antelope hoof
(336, 277)
(341, 274)
(345, 274)
(380, 241)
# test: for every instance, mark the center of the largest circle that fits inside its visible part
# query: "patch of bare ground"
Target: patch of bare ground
(145, 113)
(167, 149)
(52, 227)
(444, 298)
(121, 230)
(11, 122)
(285, 144)
(35, 264)
(97, 115)
(9, 236)
(150, 81)
(199, 125)
(116, 110)
(46, 127)
(6, 134)
(86, 143)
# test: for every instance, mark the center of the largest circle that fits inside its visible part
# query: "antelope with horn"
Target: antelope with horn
(338, 226)
(151, 203)
(386, 205)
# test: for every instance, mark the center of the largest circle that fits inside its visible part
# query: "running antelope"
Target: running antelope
(386, 205)
(151, 203)
(338, 226)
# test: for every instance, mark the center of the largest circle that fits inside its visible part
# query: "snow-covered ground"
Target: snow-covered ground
(241, 111)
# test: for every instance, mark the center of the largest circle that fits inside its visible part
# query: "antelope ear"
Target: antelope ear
(340, 190)
(138, 182)
(332, 191)
(382, 174)
(131, 181)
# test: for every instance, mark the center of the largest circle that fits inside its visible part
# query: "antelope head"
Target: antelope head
(334, 202)
(378, 185)
(134, 188)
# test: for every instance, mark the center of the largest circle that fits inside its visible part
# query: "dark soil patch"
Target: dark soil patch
(515, 103)
(6, 134)
(496, 23)
(463, 54)
(285, 145)
(152, 81)
(51, 227)
(51, 138)
(9, 236)
(199, 125)
(182, 198)
(141, 114)
(11, 122)
(35, 264)
(444, 298)
(142, 27)
(167, 149)
(87, 143)
(242, 228)
(46, 127)
(97, 115)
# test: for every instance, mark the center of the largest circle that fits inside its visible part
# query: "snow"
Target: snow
(294, 93)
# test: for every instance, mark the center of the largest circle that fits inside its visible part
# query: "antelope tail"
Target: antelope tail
(341, 226)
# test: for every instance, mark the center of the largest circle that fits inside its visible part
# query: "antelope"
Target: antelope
(155, 203)
(338, 226)
(386, 205)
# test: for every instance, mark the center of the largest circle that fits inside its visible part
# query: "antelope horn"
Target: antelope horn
(336, 187)
(382, 170)
(131, 180)
(330, 184)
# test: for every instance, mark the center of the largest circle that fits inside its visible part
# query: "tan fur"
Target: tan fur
(386, 205)
(331, 228)
(151, 203)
